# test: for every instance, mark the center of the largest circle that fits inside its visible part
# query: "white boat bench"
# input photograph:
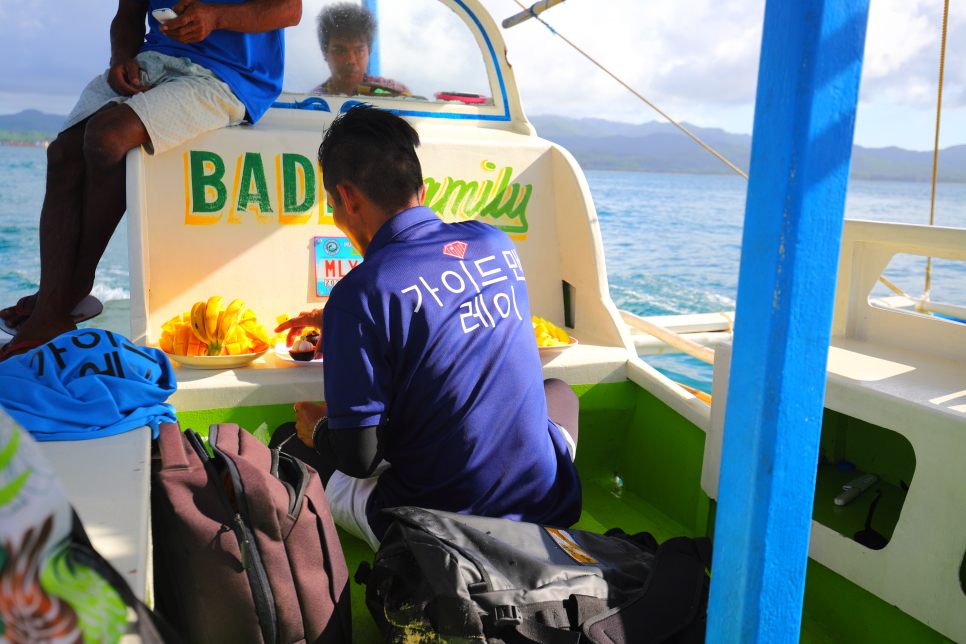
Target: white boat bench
(906, 373)
(108, 481)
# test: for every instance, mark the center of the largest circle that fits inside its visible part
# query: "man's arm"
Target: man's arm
(355, 452)
(198, 19)
(127, 36)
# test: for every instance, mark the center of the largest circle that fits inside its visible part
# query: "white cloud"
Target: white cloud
(697, 60)
(681, 56)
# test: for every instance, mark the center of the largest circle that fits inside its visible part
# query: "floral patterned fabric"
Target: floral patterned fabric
(46, 595)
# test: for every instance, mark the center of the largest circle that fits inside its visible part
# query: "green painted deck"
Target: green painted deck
(627, 432)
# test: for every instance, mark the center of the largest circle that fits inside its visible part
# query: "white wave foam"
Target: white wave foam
(659, 295)
(108, 293)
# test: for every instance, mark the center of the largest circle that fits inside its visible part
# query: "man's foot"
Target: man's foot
(14, 316)
(12, 349)
(35, 332)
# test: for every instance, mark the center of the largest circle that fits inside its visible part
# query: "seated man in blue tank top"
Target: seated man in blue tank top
(434, 390)
(208, 66)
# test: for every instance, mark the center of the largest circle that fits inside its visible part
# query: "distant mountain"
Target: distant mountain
(598, 144)
(28, 120)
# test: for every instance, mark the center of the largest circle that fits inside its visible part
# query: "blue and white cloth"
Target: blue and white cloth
(87, 383)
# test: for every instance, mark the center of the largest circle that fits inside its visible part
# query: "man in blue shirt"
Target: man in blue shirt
(433, 384)
(213, 65)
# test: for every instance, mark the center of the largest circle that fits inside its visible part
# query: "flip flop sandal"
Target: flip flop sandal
(9, 348)
(90, 307)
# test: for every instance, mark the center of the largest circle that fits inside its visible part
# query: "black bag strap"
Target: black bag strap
(552, 622)
(643, 540)
(240, 521)
(540, 633)
(151, 627)
(669, 602)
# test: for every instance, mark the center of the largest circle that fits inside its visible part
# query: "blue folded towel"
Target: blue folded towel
(85, 384)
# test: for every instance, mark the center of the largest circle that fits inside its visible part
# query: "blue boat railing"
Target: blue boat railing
(313, 103)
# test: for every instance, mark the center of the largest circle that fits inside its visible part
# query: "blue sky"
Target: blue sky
(696, 59)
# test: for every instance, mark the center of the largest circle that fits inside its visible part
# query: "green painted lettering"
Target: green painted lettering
(208, 192)
(513, 206)
(253, 190)
(296, 183)
(432, 187)
(501, 203)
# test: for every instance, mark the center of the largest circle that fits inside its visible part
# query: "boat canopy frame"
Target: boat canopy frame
(805, 108)
(507, 108)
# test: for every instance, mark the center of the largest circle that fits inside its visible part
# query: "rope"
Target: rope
(635, 92)
(552, 30)
(935, 152)
(895, 289)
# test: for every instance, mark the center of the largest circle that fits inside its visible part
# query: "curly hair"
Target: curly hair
(345, 19)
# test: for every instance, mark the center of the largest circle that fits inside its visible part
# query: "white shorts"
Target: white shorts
(185, 100)
(349, 496)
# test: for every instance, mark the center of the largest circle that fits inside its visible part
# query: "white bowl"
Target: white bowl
(216, 362)
(549, 352)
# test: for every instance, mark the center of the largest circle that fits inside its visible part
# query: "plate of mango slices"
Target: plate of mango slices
(551, 339)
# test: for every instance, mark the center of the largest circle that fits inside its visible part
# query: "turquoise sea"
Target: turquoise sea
(672, 242)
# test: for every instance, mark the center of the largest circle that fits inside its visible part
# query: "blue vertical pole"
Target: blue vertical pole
(374, 58)
(808, 85)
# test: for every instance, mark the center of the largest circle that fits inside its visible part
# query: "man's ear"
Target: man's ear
(351, 198)
(422, 195)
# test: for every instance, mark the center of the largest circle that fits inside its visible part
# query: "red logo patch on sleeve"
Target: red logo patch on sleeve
(455, 249)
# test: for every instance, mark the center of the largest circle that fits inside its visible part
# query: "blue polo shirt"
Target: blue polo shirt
(251, 64)
(431, 335)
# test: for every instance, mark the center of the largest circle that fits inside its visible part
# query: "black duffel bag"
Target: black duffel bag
(447, 577)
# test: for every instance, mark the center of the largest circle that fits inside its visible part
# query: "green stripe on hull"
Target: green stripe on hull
(248, 418)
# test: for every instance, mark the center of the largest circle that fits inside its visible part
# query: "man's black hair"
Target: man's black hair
(375, 151)
(347, 20)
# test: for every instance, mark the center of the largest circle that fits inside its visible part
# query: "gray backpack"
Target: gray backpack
(443, 577)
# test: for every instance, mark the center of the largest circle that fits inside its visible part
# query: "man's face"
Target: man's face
(348, 58)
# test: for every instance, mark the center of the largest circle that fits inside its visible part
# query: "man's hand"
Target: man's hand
(194, 22)
(304, 320)
(124, 76)
(307, 416)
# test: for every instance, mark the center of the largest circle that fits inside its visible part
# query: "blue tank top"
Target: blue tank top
(251, 64)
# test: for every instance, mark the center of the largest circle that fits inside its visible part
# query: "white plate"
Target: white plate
(281, 352)
(547, 352)
(216, 362)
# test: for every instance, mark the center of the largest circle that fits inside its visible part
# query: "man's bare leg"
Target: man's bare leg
(60, 216)
(110, 135)
(67, 279)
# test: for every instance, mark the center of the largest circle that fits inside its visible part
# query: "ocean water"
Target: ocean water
(22, 182)
(672, 242)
